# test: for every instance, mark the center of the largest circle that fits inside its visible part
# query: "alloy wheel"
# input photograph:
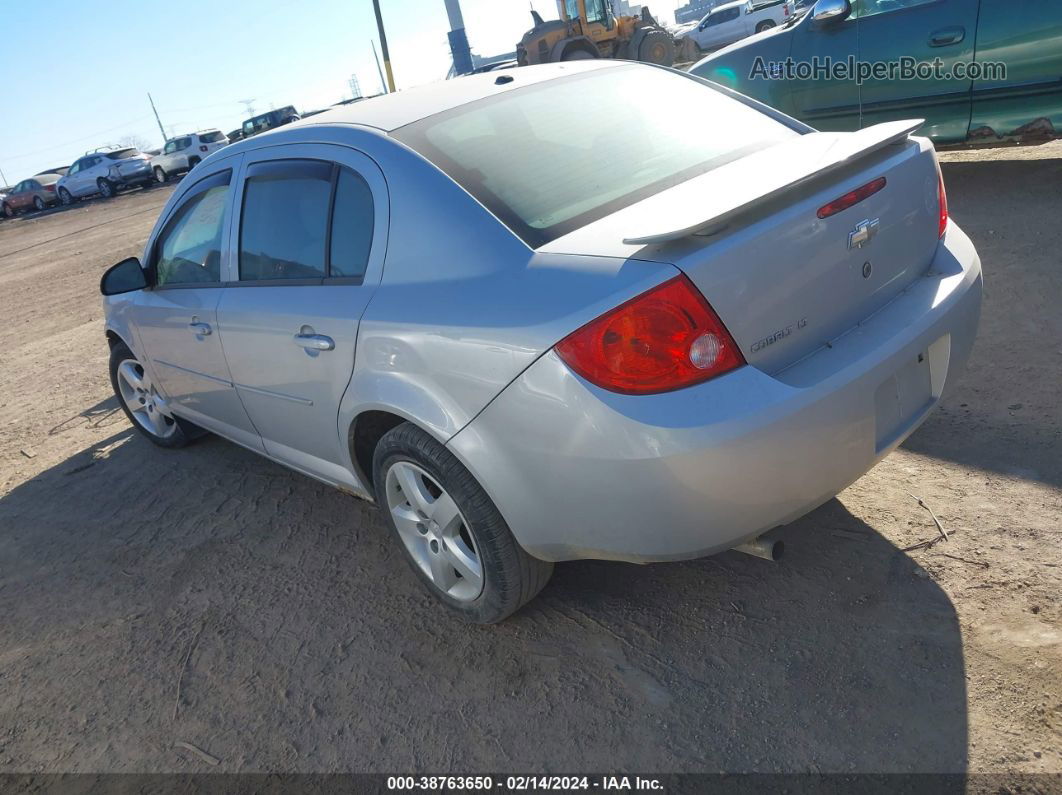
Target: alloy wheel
(434, 532)
(146, 405)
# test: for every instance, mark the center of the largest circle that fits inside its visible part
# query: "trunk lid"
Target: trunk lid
(784, 281)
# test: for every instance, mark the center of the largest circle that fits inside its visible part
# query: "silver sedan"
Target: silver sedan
(587, 310)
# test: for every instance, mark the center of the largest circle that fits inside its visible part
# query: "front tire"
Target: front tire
(657, 47)
(450, 531)
(160, 175)
(142, 404)
(65, 197)
(9, 211)
(106, 188)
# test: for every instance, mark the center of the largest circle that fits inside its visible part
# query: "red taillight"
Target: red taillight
(50, 188)
(665, 339)
(942, 203)
(851, 198)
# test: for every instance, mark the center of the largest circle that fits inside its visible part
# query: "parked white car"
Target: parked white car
(182, 153)
(732, 22)
(105, 173)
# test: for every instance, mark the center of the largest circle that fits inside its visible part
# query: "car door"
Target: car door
(720, 28)
(927, 31)
(167, 156)
(90, 172)
(16, 200)
(309, 239)
(176, 319)
(1025, 36)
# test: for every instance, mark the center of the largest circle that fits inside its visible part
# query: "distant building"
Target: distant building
(695, 9)
(624, 8)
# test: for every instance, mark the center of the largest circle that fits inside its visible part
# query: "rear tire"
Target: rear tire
(39, 204)
(765, 25)
(657, 47)
(416, 479)
(143, 405)
(106, 188)
(193, 162)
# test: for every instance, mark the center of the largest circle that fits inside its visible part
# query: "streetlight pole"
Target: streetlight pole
(157, 119)
(383, 46)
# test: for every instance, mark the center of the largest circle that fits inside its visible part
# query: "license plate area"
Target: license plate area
(904, 398)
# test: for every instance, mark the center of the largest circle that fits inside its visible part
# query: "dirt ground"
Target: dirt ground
(210, 597)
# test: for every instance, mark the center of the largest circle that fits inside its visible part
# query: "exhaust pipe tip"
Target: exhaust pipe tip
(760, 547)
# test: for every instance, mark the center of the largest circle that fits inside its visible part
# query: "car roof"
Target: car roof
(391, 111)
(734, 4)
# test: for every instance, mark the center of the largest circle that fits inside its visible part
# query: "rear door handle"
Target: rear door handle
(314, 342)
(946, 36)
(200, 329)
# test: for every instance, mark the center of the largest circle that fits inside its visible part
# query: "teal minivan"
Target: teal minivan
(978, 71)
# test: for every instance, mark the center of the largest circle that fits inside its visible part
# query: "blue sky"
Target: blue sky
(77, 72)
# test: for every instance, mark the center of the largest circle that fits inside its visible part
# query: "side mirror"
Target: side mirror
(125, 277)
(831, 11)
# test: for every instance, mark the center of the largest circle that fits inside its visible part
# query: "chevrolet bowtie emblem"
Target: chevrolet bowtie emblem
(864, 232)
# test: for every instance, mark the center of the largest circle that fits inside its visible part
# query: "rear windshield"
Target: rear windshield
(211, 137)
(552, 157)
(122, 154)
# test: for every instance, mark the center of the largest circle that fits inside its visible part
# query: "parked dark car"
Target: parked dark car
(269, 120)
(35, 193)
(1021, 103)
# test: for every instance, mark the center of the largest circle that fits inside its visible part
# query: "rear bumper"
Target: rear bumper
(579, 472)
(132, 176)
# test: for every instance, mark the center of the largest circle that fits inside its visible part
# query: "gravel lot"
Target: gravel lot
(208, 596)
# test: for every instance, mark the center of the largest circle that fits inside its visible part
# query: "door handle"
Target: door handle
(200, 329)
(314, 342)
(946, 36)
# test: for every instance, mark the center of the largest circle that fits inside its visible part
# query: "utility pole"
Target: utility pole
(383, 46)
(157, 119)
(383, 83)
(3, 179)
(459, 48)
(248, 104)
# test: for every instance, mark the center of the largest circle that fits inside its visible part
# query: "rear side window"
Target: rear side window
(352, 224)
(189, 249)
(545, 171)
(210, 137)
(284, 224)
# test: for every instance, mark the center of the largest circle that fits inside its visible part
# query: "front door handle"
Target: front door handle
(946, 36)
(200, 329)
(314, 342)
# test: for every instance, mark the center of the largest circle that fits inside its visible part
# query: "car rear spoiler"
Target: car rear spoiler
(713, 199)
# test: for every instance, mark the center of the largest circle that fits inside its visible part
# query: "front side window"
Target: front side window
(74, 168)
(545, 171)
(284, 223)
(170, 147)
(189, 248)
(869, 8)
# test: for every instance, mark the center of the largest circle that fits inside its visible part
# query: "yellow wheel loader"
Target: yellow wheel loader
(590, 29)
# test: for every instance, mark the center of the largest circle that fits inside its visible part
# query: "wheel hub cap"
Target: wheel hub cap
(147, 406)
(434, 532)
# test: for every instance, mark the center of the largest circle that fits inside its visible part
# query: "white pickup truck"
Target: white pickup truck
(732, 22)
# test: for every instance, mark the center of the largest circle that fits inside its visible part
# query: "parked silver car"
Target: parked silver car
(536, 321)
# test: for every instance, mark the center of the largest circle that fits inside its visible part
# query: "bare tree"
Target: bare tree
(136, 142)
